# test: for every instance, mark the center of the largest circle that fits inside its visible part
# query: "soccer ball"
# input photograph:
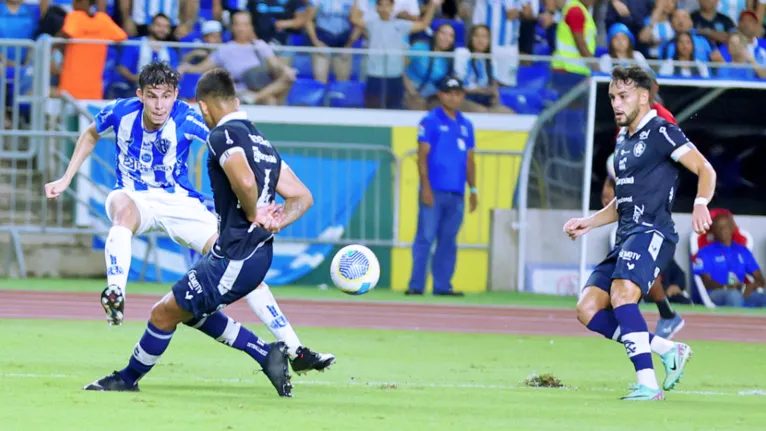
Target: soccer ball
(355, 269)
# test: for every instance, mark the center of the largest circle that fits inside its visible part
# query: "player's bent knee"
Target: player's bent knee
(624, 292)
(591, 302)
(167, 314)
(124, 212)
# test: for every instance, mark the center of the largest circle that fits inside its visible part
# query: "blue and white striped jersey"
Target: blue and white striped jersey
(150, 160)
(494, 14)
(144, 10)
(732, 8)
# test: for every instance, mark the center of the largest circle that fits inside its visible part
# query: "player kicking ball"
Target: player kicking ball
(153, 193)
(648, 158)
(245, 173)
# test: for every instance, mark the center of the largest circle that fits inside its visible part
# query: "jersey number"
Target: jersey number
(265, 196)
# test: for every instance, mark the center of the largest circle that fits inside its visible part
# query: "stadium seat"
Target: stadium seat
(457, 25)
(696, 242)
(302, 63)
(522, 100)
(346, 94)
(188, 85)
(533, 76)
(306, 92)
(601, 50)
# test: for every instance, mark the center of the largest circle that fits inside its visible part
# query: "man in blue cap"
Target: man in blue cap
(445, 164)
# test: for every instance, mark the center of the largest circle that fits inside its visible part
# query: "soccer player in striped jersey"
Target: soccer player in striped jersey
(153, 193)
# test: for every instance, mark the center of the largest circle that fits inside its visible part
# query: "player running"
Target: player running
(245, 173)
(670, 321)
(153, 193)
(649, 151)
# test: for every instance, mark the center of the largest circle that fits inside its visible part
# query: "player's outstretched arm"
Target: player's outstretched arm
(84, 147)
(695, 162)
(298, 198)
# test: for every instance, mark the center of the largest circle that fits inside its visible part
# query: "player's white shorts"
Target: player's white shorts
(185, 219)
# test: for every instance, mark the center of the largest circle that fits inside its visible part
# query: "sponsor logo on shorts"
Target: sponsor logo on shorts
(194, 286)
(629, 255)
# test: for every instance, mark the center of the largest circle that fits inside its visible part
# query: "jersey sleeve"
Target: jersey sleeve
(106, 119)
(223, 143)
(673, 142)
(426, 132)
(195, 127)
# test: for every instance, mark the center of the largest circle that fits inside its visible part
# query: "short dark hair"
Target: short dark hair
(635, 74)
(161, 15)
(218, 84)
(158, 74)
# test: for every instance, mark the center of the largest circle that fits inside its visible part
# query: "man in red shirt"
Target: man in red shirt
(670, 322)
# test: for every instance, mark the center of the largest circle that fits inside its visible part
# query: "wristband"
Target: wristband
(701, 201)
(474, 191)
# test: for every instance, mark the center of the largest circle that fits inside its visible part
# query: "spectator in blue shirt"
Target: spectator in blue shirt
(424, 73)
(682, 23)
(17, 21)
(740, 55)
(135, 57)
(445, 163)
(724, 266)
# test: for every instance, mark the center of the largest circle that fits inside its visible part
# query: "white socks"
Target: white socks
(661, 346)
(117, 253)
(265, 307)
(647, 377)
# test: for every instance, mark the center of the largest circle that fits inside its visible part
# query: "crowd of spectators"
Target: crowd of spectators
(701, 34)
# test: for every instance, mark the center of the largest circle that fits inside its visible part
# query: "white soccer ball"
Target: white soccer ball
(355, 269)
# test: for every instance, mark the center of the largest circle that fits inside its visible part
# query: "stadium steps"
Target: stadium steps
(26, 199)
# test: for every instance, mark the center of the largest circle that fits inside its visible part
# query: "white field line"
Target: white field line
(392, 385)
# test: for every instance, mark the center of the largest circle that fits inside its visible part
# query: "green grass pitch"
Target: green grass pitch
(383, 381)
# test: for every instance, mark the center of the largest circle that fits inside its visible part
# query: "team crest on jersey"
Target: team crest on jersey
(639, 149)
(162, 145)
(461, 144)
(463, 130)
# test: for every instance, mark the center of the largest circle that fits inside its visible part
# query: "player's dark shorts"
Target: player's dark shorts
(639, 258)
(215, 282)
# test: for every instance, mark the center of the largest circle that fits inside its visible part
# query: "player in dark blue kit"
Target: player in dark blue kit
(649, 155)
(245, 174)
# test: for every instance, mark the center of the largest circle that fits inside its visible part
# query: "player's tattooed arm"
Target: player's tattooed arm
(298, 198)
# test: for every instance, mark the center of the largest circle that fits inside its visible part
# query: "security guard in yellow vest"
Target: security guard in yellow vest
(575, 41)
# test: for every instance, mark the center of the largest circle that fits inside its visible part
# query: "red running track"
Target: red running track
(386, 315)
